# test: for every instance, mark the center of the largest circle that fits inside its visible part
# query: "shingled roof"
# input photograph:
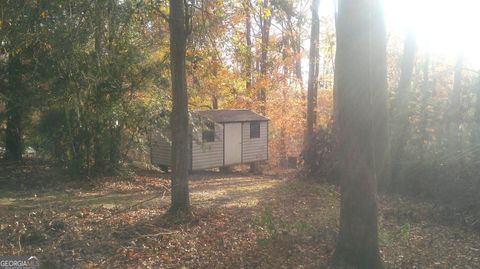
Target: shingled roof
(231, 115)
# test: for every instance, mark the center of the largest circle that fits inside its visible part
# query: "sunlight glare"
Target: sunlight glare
(443, 27)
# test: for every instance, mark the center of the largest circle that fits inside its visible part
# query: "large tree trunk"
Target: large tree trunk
(179, 116)
(360, 76)
(313, 74)
(14, 112)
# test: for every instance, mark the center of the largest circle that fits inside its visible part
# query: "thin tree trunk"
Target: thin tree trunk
(115, 152)
(266, 23)
(313, 74)
(360, 78)
(476, 136)
(297, 49)
(405, 82)
(98, 142)
(286, 42)
(400, 122)
(248, 39)
(99, 150)
(424, 112)
(214, 102)
(454, 145)
(312, 89)
(179, 116)
(285, 55)
(13, 134)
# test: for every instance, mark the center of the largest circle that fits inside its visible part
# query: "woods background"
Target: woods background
(84, 84)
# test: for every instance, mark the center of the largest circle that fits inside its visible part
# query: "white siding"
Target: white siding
(255, 149)
(207, 154)
(210, 154)
(160, 150)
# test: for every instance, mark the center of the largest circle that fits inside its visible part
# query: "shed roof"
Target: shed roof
(231, 115)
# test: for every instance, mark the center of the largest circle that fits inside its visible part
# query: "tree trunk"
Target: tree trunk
(360, 77)
(476, 133)
(313, 74)
(214, 102)
(282, 151)
(405, 82)
(400, 108)
(14, 112)
(99, 164)
(424, 111)
(248, 39)
(13, 134)
(297, 49)
(98, 143)
(266, 21)
(179, 116)
(115, 154)
(454, 145)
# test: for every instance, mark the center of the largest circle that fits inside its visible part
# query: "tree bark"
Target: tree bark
(313, 74)
(405, 82)
(214, 102)
(297, 49)
(454, 145)
(400, 107)
(179, 117)
(266, 21)
(312, 88)
(13, 134)
(476, 133)
(360, 78)
(248, 39)
(424, 111)
(99, 154)
(14, 112)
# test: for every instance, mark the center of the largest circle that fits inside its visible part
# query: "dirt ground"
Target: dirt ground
(241, 221)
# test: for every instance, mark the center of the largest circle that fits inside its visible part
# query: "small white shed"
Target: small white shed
(220, 137)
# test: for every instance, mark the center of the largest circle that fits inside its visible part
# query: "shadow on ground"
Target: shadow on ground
(240, 221)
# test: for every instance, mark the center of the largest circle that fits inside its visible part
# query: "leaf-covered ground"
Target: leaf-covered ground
(241, 221)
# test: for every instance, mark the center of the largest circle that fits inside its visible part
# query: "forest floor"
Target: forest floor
(241, 221)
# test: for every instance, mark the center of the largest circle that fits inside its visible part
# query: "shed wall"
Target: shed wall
(210, 154)
(207, 154)
(255, 149)
(160, 150)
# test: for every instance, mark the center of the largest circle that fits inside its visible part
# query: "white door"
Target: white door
(233, 143)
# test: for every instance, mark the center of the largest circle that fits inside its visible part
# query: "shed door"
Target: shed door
(233, 143)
